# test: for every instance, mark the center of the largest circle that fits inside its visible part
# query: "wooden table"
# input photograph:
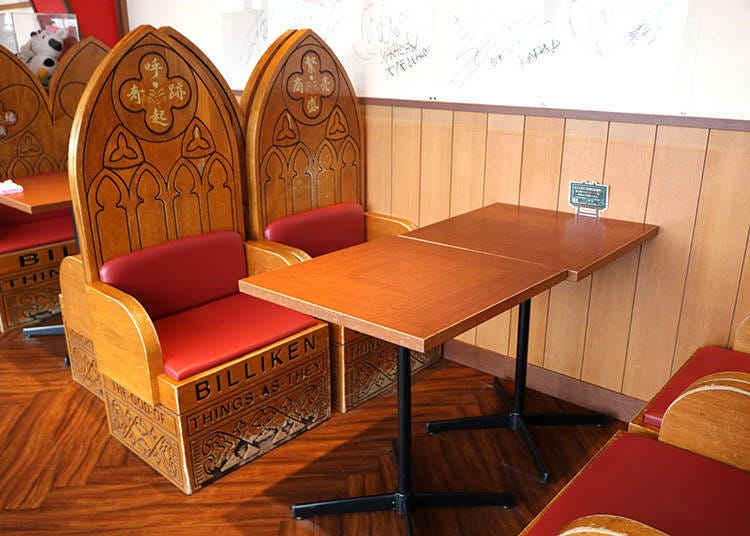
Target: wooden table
(580, 245)
(417, 295)
(41, 193)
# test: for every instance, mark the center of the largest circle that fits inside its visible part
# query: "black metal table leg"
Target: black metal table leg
(517, 418)
(404, 499)
(38, 331)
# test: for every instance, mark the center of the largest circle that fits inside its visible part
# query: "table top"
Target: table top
(409, 292)
(579, 244)
(41, 193)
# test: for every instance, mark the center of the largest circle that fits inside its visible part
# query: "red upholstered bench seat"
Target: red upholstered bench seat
(189, 288)
(321, 230)
(36, 232)
(200, 338)
(705, 361)
(665, 487)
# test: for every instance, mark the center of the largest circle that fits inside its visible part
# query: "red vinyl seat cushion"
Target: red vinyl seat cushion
(320, 230)
(706, 360)
(189, 289)
(34, 233)
(180, 274)
(200, 338)
(680, 492)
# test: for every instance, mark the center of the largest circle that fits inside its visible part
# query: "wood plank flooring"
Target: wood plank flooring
(62, 474)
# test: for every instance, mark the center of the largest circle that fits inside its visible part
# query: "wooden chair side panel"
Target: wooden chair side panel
(608, 525)
(712, 418)
(157, 150)
(305, 133)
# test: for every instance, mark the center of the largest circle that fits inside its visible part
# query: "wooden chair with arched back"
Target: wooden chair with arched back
(306, 173)
(34, 132)
(197, 379)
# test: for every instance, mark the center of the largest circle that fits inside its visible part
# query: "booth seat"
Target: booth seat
(320, 230)
(693, 480)
(662, 486)
(705, 361)
(34, 135)
(31, 248)
(307, 190)
(197, 379)
(47, 228)
(189, 289)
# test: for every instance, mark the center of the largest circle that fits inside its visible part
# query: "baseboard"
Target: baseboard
(587, 395)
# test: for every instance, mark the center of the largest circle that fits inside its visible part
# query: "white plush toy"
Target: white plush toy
(42, 52)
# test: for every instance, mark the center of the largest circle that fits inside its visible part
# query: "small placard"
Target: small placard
(588, 198)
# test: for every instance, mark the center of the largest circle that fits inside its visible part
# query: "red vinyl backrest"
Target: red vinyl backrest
(179, 274)
(320, 230)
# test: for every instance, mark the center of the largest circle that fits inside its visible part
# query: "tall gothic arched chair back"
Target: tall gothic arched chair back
(156, 171)
(34, 131)
(306, 174)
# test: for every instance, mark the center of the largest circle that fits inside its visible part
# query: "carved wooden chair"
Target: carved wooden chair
(693, 480)
(306, 173)
(705, 361)
(34, 131)
(198, 379)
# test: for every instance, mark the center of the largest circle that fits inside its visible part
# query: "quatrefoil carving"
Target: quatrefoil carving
(311, 84)
(155, 93)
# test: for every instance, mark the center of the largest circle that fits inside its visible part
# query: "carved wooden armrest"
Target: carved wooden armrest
(379, 225)
(266, 255)
(712, 418)
(127, 346)
(601, 525)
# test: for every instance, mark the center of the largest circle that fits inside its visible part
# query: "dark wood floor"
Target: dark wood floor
(61, 473)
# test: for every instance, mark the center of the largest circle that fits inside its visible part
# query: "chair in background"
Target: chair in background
(306, 173)
(693, 481)
(34, 132)
(705, 361)
(197, 379)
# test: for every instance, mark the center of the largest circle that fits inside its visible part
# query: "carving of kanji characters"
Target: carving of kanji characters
(153, 66)
(155, 93)
(158, 117)
(177, 91)
(135, 93)
(311, 85)
(312, 105)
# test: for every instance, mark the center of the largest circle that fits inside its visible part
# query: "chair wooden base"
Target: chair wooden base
(29, 284)
(82, 359)
(78, 337)
(363, 367)
(222, 419)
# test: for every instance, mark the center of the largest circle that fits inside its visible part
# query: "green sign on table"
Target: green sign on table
(588, 198)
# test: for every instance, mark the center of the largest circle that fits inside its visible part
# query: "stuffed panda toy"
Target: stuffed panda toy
(42, 52)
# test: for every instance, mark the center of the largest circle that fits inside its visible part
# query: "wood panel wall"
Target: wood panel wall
(628, 327)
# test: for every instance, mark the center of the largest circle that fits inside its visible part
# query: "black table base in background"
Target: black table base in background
(517, 418)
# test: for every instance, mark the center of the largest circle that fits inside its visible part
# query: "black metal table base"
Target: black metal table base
(517, 419)
(404, 499)
(38, 331)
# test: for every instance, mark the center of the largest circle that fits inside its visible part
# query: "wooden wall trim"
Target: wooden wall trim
(578, 392)
(649, 119)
